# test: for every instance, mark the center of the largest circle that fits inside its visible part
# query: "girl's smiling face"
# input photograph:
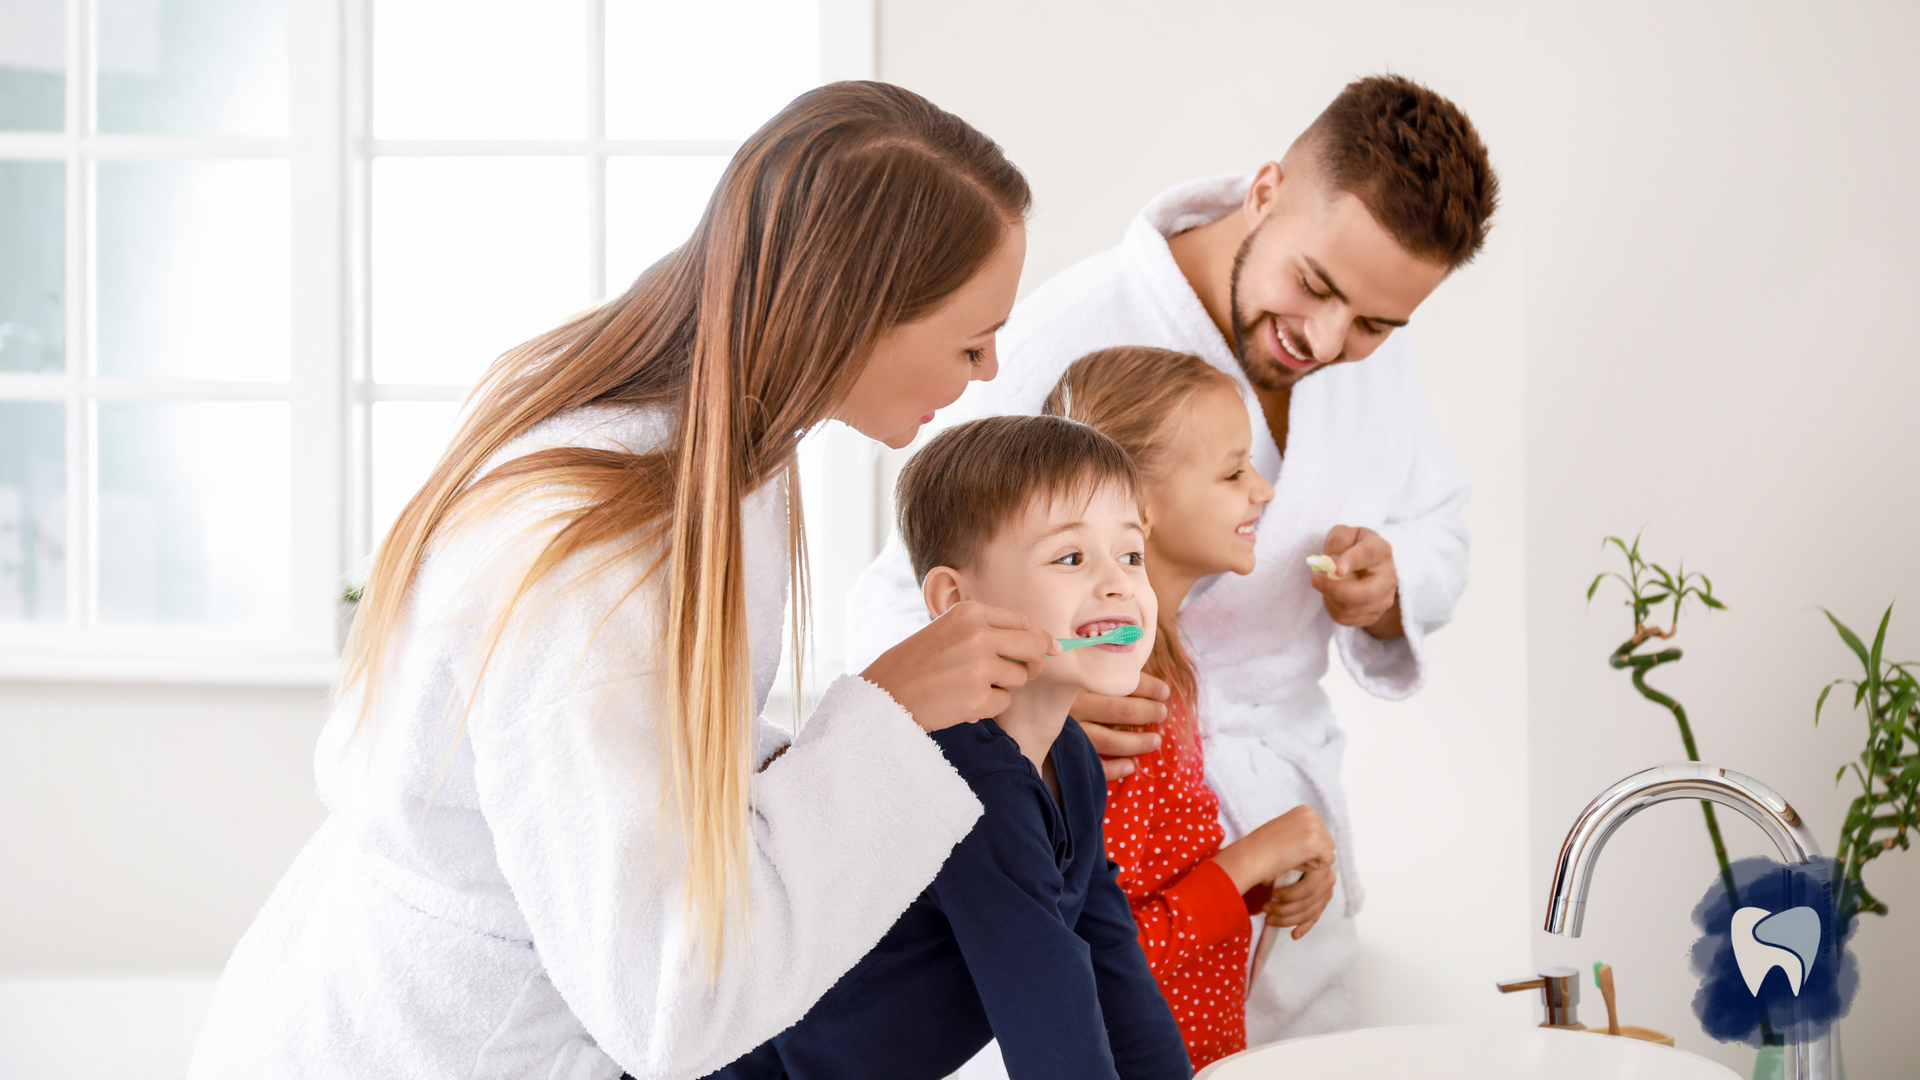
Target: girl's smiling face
(1205, 502)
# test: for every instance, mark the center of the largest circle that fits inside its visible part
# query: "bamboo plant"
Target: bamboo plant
(1650, 586)
(1886, 811)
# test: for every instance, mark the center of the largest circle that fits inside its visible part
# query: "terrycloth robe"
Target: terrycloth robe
(497, 892)
(1362, 450)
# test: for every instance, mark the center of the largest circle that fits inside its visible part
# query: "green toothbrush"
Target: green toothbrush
(1119, 635)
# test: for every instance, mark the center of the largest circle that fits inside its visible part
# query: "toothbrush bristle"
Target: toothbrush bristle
(1125, 635)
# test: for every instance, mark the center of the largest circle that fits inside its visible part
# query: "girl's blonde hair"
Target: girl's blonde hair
(1133, 395)
(858, 208)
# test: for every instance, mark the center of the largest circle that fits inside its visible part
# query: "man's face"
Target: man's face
(1318, 282)
(1076, 566)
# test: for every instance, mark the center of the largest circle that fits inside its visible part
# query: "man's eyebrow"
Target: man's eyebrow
(1327, 283)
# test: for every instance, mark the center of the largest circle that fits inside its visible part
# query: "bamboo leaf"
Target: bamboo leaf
(1595, 587)
(1880, 636)
(1821, 704)
(1848, 636)
(1712, 603)
(1649, 601)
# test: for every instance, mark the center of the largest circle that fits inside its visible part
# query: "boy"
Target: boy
(1025, 936)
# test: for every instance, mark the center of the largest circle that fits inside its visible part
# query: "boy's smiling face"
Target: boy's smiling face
(1076, 566)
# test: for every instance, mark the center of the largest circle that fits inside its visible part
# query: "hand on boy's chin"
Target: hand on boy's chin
(1096, 671)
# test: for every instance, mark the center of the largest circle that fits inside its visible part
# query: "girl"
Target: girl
(1185, 425)
(559, 845)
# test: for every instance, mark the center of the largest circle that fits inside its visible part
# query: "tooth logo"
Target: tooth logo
(1763, 940)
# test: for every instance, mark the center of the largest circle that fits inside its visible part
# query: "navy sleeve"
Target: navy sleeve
(1001, 891)
(1141, 1030)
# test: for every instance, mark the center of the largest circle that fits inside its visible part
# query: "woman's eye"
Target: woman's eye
(1071, 559)
(1236, 475)
(974, 356)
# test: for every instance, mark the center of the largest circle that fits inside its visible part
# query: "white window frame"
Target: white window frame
(329, 389)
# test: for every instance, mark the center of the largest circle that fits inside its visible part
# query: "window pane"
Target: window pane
(193, 67)
(33, 511)
(194, 511)
(470, 258)
(712, 70)
(33, 65)
(193, 269)
(408, 438)
(479, 69)
(653, 204)
(33, 261)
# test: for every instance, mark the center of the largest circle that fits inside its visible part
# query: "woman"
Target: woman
(559, 843)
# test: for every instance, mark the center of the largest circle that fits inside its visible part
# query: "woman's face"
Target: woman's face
(1207, 501)
(922, 366)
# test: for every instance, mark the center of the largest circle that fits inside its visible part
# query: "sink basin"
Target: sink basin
(1446, 1051)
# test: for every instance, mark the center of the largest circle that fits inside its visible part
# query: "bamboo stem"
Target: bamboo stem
(1624, 657)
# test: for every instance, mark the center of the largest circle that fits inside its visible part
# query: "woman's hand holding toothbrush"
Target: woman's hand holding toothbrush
(963, 665)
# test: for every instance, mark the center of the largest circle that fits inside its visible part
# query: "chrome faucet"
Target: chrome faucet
(1806, 1058)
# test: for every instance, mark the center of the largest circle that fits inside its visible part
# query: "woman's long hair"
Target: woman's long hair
(1136, 395)
(858, 208)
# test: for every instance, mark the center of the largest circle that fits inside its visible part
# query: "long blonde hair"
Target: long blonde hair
(1132, 394)
(858, 208)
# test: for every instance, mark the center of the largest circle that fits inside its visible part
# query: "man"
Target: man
(1294, 281)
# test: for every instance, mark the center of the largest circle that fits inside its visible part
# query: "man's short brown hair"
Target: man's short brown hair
(1414, 160)
(974, 478)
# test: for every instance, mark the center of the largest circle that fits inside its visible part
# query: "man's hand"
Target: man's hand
(1111, 723)
(1363, 589)
(1299, 905)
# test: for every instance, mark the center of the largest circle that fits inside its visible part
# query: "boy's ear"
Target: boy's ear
(941, 590)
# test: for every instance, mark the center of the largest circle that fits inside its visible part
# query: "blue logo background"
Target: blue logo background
(1730, 1012)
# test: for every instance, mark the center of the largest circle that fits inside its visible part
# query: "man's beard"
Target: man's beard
(1271, 378)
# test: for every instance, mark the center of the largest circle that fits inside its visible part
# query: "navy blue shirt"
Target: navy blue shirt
(1024, 936)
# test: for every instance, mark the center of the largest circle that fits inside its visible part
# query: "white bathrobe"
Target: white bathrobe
(1362, 450)
(503, 900)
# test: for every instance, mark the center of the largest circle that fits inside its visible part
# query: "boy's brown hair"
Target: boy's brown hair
(972, 479)
(1414, 160)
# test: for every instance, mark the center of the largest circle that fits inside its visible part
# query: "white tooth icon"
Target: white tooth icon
(1762, 941)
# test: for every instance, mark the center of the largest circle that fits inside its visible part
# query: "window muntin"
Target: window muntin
(225, 228)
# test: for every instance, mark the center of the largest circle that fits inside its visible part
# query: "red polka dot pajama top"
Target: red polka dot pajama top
(1162, 829)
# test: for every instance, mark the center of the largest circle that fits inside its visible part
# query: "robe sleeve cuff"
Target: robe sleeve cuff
(1392, 669)
(773, 741)
(1208, 905)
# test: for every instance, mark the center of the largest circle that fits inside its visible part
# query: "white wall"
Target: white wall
(142, 826)
(1720, 320)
